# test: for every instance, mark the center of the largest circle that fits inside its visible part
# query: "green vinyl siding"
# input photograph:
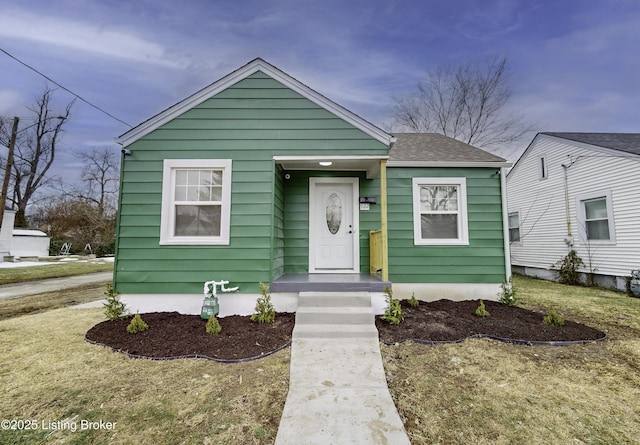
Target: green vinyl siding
(249, 123)
(482, 261)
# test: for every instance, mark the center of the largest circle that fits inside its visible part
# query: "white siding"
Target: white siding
(541, 204)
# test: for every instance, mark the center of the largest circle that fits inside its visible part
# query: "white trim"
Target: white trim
(439, 164)
(463, 229)
(167, 216)
(581, 217)
(505, 223)
(241, 73)
(355, 183)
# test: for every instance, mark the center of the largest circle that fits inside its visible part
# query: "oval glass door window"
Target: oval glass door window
(334, 213)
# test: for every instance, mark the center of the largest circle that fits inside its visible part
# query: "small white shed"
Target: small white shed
(29, 243)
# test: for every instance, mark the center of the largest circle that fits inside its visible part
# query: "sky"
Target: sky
(574, 64)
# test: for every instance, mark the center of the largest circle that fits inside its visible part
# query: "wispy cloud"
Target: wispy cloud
(97, 39)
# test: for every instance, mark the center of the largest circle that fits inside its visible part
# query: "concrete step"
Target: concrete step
(334, 299)
(335, 331)
(334, 315)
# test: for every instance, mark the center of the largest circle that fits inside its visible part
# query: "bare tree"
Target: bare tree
(35, 150)
(100, 176)
(466, 102)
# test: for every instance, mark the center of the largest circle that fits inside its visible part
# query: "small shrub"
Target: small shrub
(413, 302)
(482, 311)
(393, 314)
(137, 325)
(553, 319)
(567, 268)
(114, 309)
(264, 311)
(507, 293)
(213, 325)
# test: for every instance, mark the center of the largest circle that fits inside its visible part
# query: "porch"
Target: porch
(328, 283)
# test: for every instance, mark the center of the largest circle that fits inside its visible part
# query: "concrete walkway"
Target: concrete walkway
(9, 291)
(338, 391)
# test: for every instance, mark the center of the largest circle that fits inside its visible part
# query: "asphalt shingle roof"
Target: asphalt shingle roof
(434, 147)
(626, 142)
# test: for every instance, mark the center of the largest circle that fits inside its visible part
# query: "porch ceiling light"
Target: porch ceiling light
(326, 163)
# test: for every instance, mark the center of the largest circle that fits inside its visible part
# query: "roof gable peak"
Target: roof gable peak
(254, 66)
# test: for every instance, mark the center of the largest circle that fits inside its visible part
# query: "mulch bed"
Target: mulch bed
(174, 335)
(449, 321)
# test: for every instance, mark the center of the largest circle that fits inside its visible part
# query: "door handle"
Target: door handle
(350, 228)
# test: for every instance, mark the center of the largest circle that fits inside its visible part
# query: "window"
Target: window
(595, 217)
(543, 168)
(196, 201)
(514, 227)
(440, 211)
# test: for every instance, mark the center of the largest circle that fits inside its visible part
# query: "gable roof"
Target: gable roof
(626, 142)
(241, 73)
(433, 149)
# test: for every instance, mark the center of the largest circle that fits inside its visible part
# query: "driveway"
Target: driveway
(9, 291)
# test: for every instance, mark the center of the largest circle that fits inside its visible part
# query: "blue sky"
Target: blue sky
(575, 63)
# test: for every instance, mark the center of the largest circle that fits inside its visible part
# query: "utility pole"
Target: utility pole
(7, 172)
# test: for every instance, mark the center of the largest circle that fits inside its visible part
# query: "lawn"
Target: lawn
(475, 392)
(52, 270)
(487, 392)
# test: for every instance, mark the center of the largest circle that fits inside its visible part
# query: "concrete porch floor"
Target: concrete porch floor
(321, 282)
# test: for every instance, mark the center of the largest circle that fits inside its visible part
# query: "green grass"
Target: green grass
(54, 270)
(49, 373)
(488, 392)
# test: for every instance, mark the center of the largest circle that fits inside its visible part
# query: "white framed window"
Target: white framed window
(595, 217)
(514, 227)
(440, 211)
(196, 202)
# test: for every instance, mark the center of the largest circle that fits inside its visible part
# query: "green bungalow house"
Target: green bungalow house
(258, 178)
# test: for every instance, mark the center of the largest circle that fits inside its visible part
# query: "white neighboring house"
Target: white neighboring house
(21, 242)
(581, 188)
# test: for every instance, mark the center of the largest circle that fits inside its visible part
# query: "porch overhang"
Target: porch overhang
(368, 164)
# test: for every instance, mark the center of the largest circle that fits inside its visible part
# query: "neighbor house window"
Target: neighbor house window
(514, 227)
(595, 217)
(440, 211)
(196, 201)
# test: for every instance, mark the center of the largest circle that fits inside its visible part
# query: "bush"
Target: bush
(553, 319)
(482, 311)
(213, 325)
(114, 309)
(393, 314)
(508, 293)
(105, 249)
(137, 325)
(264, 311)
(567, 268)
(413, 302)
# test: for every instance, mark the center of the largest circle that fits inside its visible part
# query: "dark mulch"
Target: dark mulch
(446, 320)
(171, 334)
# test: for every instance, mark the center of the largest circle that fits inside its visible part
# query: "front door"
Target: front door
(333, 225)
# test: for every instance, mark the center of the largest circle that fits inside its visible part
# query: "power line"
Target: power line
(64, 88)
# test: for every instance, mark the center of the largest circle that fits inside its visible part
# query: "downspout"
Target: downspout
(505, 223)
(566, 199)
(383, 219)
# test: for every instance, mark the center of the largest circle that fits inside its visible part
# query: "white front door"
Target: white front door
(333, 225)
